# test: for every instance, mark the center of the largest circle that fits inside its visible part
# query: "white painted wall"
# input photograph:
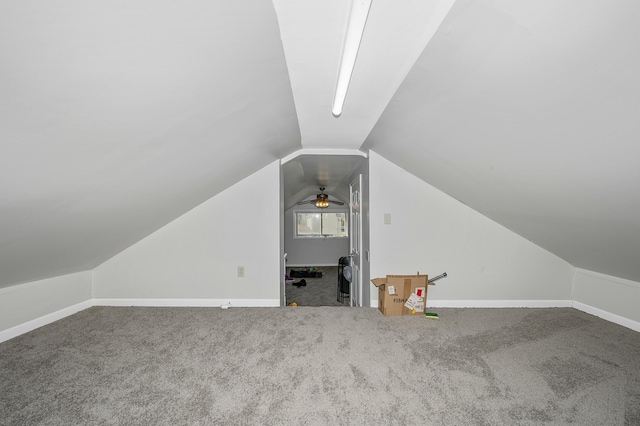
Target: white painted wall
(196, 256)
(608, 297)
(312, 251)
(433, 233)
(25, 307)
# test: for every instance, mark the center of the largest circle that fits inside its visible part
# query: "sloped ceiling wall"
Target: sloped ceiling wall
(528, 112)
(117, 117)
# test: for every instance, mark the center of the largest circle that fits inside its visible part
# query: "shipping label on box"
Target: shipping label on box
(415, 303)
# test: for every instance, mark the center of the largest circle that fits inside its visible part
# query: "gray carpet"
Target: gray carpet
(318, 291)
(322, 366)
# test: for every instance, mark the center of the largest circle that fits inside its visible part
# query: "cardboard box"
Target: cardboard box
(394, 291)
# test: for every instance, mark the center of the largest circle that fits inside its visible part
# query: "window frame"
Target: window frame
(321, 235)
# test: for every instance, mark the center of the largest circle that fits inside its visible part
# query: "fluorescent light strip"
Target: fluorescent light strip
(355, 30)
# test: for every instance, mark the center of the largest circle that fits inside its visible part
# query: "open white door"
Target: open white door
(283, 286)
(355, 242)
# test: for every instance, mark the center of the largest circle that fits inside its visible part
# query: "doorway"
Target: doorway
(318, 255)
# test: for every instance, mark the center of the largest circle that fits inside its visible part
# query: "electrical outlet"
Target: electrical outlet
(241, 271)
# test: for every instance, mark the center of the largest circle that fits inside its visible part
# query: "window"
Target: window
(321, 224)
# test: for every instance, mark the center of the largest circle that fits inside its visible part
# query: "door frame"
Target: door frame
(355, 240)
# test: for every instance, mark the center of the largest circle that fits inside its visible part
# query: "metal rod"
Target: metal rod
(437, 278)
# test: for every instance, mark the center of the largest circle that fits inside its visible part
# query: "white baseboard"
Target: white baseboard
(617, 319)
(12, 332)
(493, 303)
(210, 303)
(28, 326)
(625, 322)
(25, 327)
(499, 303)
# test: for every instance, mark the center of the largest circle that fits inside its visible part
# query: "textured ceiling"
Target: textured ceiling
(117, 117)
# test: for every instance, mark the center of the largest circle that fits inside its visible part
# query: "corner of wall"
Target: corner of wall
(606, 296)
(27, 306)
(573, 283)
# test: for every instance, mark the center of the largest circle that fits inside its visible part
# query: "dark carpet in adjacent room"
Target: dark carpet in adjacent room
(321, 291)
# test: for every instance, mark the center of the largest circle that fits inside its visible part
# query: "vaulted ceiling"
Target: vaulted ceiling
(117, 117)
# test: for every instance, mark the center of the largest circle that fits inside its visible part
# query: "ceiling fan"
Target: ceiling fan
(322, 201)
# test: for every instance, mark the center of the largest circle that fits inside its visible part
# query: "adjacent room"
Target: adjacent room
(171, 172)
(320, 239)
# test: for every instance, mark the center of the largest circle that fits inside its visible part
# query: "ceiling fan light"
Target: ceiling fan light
(322, 201)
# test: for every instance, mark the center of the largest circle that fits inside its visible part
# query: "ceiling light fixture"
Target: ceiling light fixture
(322, 201)
(355, 30)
